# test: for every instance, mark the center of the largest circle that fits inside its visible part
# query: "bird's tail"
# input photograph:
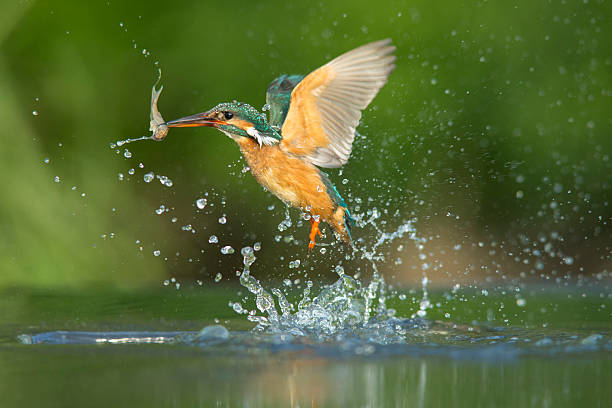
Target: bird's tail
(342, 220)
(342, 224)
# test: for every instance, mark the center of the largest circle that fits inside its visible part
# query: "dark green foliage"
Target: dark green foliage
(494, 128)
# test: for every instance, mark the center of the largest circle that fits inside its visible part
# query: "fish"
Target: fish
(157, 125)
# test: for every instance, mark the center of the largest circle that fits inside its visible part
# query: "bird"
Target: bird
(311, 125)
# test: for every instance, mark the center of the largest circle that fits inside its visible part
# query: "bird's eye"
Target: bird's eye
(228, 115)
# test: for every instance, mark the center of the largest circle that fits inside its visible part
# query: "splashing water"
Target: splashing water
(345, 308)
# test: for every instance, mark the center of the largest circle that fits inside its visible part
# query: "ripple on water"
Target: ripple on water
(390, 337)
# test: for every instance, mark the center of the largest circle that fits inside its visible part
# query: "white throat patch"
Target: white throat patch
(261, 139)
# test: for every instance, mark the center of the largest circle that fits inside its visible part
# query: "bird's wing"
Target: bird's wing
(278, 98)
(326, 105)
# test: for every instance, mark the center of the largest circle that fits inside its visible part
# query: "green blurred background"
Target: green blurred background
(493, 135)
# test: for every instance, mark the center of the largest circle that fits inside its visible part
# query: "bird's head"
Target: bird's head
(237, 120)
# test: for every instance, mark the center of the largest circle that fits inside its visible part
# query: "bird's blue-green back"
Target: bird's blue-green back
(278, 98)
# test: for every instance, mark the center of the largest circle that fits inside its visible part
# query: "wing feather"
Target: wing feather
(326, 105)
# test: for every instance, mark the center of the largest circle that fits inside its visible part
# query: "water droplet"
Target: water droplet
(165, 181)
(157, 252)
(218, 277)
(294, 264)
(149, 177)
(56, 179)
(344, 181)
(213, 239)
(257, 246)
(35, 112)
(521, 302)
(127, 154)
(120, 176)
(46, 160)
(238, 308)
(222, 220)
(201, 203)
(227, 250)
(160, 210)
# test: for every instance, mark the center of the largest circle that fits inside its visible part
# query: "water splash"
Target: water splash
(344, 308)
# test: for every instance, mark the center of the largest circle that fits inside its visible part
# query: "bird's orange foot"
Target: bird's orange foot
(314, 231)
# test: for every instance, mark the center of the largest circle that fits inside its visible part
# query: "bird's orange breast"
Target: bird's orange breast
(288, 177)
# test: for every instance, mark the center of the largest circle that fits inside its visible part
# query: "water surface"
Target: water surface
(91, 363)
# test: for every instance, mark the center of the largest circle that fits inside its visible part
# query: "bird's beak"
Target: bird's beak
(199, 119)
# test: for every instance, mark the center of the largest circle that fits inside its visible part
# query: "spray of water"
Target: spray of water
(347, 307)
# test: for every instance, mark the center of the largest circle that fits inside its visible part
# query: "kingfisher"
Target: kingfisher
(312, 124)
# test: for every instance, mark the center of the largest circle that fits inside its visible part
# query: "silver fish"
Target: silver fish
(157, 124)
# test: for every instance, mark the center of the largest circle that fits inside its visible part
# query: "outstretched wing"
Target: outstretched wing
(326, 106)
(278, 98)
